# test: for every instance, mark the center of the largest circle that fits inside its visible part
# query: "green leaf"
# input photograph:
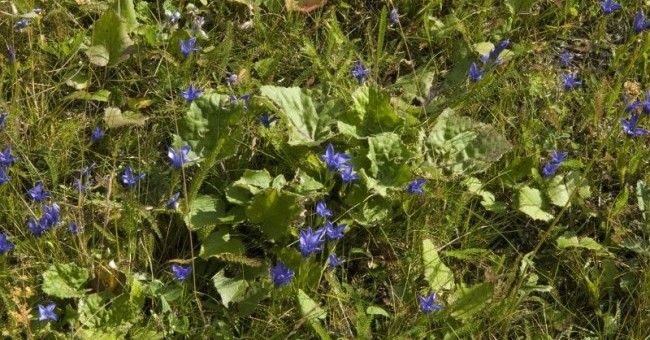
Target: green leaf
(489, 202)
(468, 301)
(98, 96)
(65, 280)
(376, 310)
(115, 118)
(255, 180)
(560, 188)
(76, 79)
(461, 146)
(204, 212)
(274, 210)
(308, 122)
(388, 155)
(417, 85)
(126, 10)
(221, 241)
(643, 199)
(436, 272)
(230, 290)
(209, 124)
(306, 184)
(111, 32)
(371, 113)
(531, 203)
(313, 312)
(572, 241)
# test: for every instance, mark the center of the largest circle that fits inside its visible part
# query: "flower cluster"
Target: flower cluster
(312, 241)
(630, 125)
(556, 159)
(338, 162)
(489, 60)
(48, 220)
(428, 303)
(6, 160)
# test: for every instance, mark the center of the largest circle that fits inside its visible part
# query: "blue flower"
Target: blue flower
(179, 159)
(640, 24)
(281, 275)
(310, 241)
(645, 105)
(172, 204)
(181, 273)
(334, 261)
(6, 158)
(11, 55)
(335, 161)
(635, 104)
(243, 99)
(38, 228)
(5, 245)
(98, 132)
(4, 178)
(556, 159)
(394, 17)
(475, 74)
(172, 17)
(609, 6)
(21, 24)
(321, 209)
(359, 72)
(570, 81)
(629, 126)
(496, 52)
(565, 58)
(191, 93)
(197, 25)
(188, 46)
(51, 215)
(416, 186)
(346, 174)
(47, 312)
(72, 227)
(3, 119)
(333, 231)
(428, 304)
(37, 193)
(129, 180)
(231, 79)
(267, 119)
(80, 186)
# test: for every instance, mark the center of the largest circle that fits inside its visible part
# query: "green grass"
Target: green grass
(499, 272)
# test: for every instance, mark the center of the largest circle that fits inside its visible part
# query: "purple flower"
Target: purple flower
(80, 186)
(21, 24)
(51, 215)
(37, 193)
(333, 231)
(428, 304)
(243, 99)
(630, 128)
(4, 178)
(416, 186)
(5, 245)
(496, 52)
(72, 227)
(197, 25)
(98, 132)
(47, 312)
(310, 241)
(321, 209)
(556, 159)
(6, 158)
(475, 74)
(570, 81)
(190, 94)
(129, 179)
(173, 17)
(609, 6)
(179, 159)
(188, 46)
(335, 161)
(394, 16)
(281, 275)
(181, 273)
(359, 72)
(334, 261)
(231, 79)
(346, 174)
(172, 204)
(640, 24)
(38, 228)
(3, 119)
(565, 58)
(267, 119)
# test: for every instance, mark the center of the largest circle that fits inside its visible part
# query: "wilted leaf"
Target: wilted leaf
(436, 272)
(531, 203)
(65, 280)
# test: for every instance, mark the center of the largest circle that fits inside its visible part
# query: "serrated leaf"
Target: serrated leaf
(274, 210)
(65, 280)
(460, 146)
(221, 241)
(436, 272)
(111, 32)
(560, 188)
(468, 301)
(114, 118)
(204, 212)
(308, 122)
(388, 155)
(371, 113)
(230, 289)
(531, 203)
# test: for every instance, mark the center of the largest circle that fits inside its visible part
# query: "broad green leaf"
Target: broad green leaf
(531, 203)
(388, 155)
(468, 301)
(111, 32)
(255, 180)
(230, 290)
(306, 184)
(371, 113)
(313, 312)
(461, 146)
(204, 212)
(560, 188)
(126, 10)
(436, 272)
(376, 310)
(76, 79)
(274, 210)
(114, 118)
(250, 302)
(65, 280)
(572, 241)
(417, 85)
(221, 241)
(307, 121)
(211, 125)
(475, 186)
(98, 96)
(98, 55)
